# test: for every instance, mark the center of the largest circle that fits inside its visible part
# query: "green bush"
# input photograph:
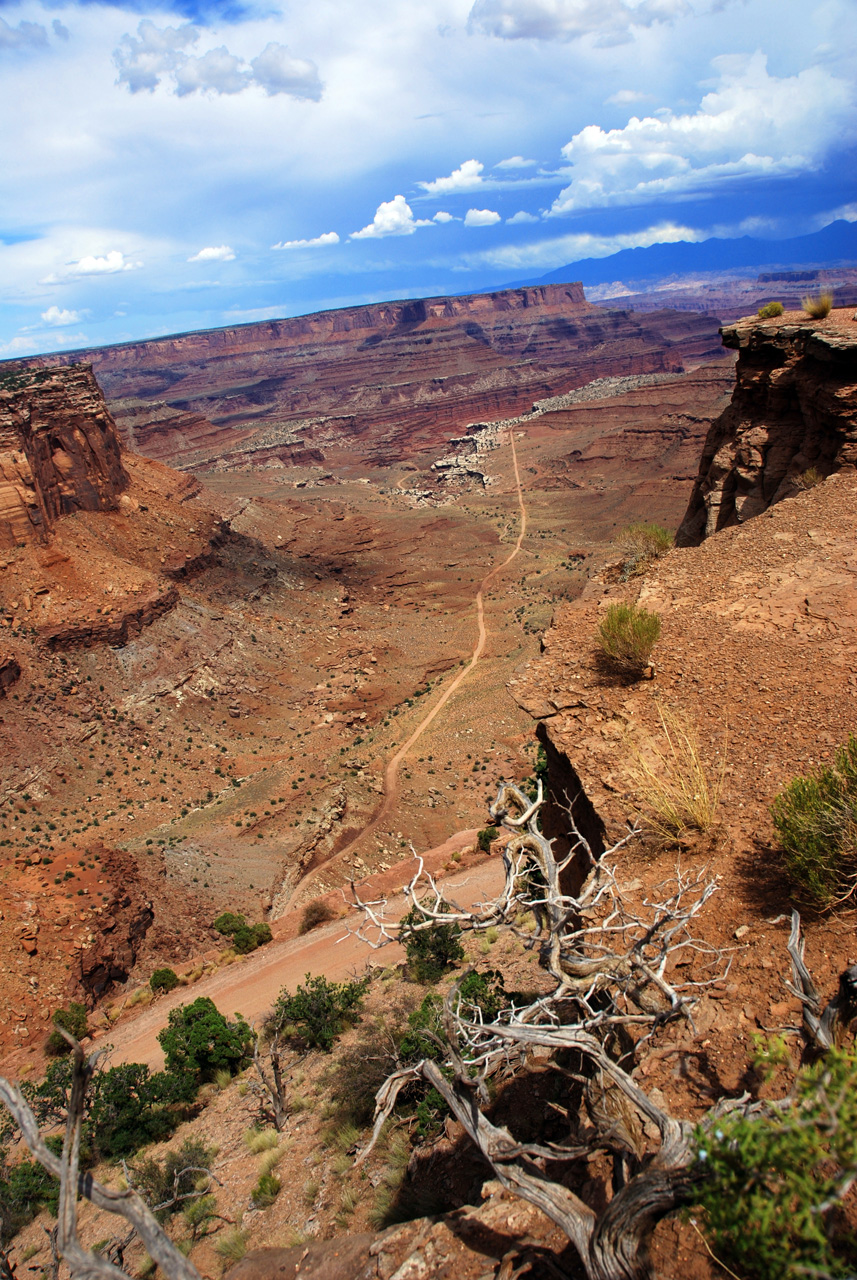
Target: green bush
(816, 820)
(161, 1182)
(266, 1190)
(245, 937)
(25, 1189)
(627, 635)
(315, 913)
(485, 836)
(318, 1012)
(164, 980)
(199, 1041)
(433, 949)
(640, 544)
(73, 1020)
(770, 310)
(773, 1181)
(820, 306)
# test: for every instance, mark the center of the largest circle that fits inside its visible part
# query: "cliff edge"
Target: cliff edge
(793, 412)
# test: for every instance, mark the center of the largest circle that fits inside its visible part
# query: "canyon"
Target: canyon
(272, 633)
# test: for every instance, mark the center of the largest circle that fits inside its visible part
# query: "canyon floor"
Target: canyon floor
(236, 753)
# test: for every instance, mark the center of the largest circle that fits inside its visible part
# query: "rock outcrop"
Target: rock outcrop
(378, 382)
(59, 451)
(794, 410)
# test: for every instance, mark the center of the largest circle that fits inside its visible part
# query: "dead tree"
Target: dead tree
(613, 972)
(82, 1263)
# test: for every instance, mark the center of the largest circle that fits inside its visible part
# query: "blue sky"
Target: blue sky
(209, 162)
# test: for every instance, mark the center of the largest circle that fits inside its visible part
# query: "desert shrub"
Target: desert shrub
(678, 789)
(627, 635)
(180, 1172)
(164, 980)
(245, 937)
(774, 1180)
(640, 544)
(818, 307)
(318, 1012)
(315, 913)
(73, 1020)
(198, 1041)
(485, 836)
(131, 1106)
(232, 1245)
(25, 1189)
(770, 310)
(809, 479)
(266, 1190)
(815, 817)
(433, 949)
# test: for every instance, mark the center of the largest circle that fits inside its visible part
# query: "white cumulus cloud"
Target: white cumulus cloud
(467, 177)
(318, 242)
(58, 316)
(521, 216)
(276, 70)
(156, 52)
(443, 216)
(609, 20)
(481, 218)
(392, 218)
(107, 264)
(214, 253)
(753, 125)
(25, 35)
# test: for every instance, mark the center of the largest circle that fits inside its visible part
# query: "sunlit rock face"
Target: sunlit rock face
(59, 451)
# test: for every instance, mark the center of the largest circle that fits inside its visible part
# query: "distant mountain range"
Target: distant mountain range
(834, 245)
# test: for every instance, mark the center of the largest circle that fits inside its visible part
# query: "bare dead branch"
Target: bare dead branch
(83, 1264)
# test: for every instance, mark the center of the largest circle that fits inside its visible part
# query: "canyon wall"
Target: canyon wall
(59, 451)
(792, 419)
(388, 380)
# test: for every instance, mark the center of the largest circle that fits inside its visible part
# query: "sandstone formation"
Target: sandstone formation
(793, 410)
(59, 451)
(384, 381)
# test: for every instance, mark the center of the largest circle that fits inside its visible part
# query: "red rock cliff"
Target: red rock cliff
(59, 451)
(793, 410)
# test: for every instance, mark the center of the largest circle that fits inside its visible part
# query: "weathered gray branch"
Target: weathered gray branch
(83, 1264)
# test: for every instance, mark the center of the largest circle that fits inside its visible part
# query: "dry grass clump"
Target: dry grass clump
(314, 914)
(259, 1140)
(809, 479)
(818, 307)
(641, 544)
(770, 310)
(677, 788)
(232, 1245)
(626, 635)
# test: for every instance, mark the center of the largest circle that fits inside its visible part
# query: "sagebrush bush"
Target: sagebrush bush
(773, 1182)
(770, 309)
(164, 980)
(627, 635)
(484, 838)
(315, 913)
(245, 937)
(73, 1020)
(815, 817)
(819, 306)
(433, 949)
(640, 544)
(318, 1012)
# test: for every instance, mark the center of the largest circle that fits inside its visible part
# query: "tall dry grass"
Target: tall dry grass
(677, 787)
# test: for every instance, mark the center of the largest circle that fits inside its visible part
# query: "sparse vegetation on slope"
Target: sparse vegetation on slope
(627, 635)
(815, 817)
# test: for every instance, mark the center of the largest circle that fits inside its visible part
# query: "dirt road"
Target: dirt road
(391, 770)
(251, 985)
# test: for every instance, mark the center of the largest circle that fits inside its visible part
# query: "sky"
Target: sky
(191, 164)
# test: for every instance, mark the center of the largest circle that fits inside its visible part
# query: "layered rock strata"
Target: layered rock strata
(59, 451)
(793, 411)
(385, 380)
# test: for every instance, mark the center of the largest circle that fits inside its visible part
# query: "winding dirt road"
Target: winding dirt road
(391, 770)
